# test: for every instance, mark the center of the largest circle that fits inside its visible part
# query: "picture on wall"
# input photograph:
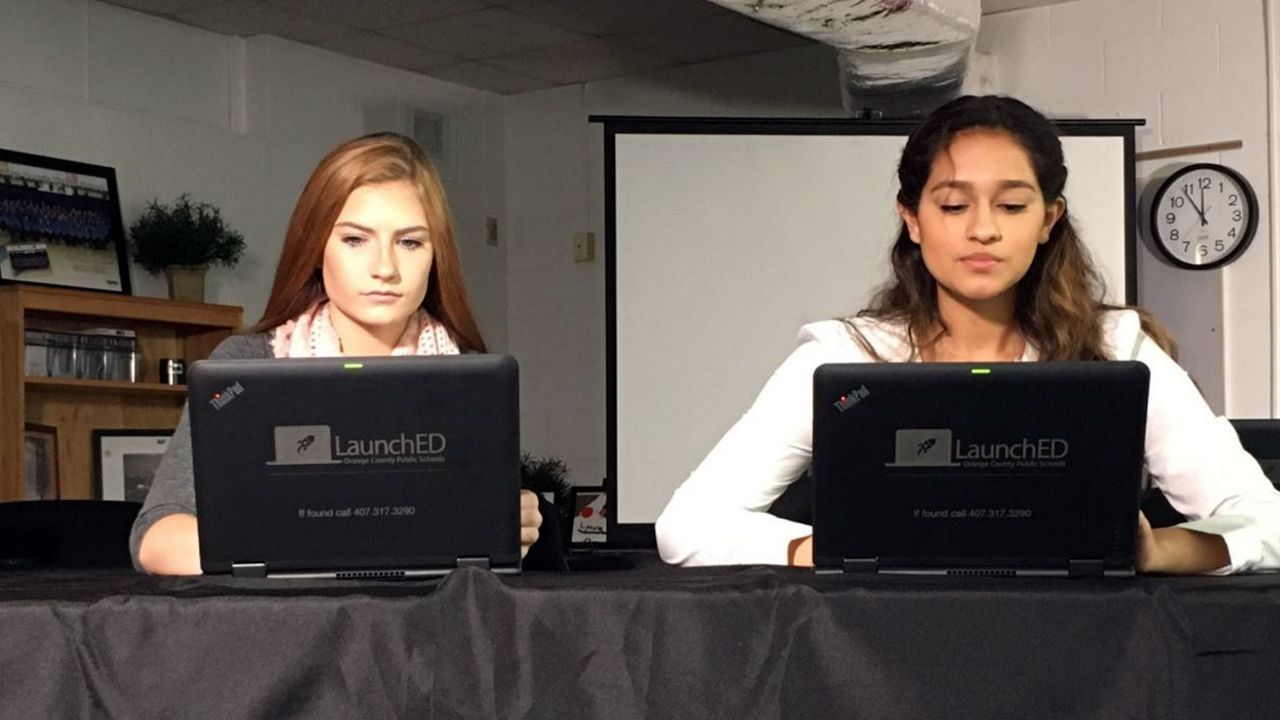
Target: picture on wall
(590, 516)
(60, 224)
(40, 454)
(125, 462)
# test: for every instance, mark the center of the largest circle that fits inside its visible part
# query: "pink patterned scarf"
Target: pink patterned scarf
(311, 334)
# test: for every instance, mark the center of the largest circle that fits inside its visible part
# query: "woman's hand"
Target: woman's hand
(800, 552)
(1177, 551)
(171, 546)
(530, 521)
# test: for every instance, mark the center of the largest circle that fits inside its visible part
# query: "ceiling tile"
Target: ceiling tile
(252, 17)
(719, 36)
(484, 34)
(581, 62)
(612, 17)
(387, 51)
(163, 7)
(378, 14)
(486, 77)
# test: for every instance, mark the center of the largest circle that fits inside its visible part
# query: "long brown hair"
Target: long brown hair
(377, 158)
(1058, 304)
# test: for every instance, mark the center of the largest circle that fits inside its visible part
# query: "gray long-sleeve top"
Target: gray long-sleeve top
(173, 488)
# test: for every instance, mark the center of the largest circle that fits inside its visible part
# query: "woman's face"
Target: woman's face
(377, 260)
(981, 217)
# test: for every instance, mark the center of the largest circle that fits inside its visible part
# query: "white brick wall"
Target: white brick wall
(1196, 71)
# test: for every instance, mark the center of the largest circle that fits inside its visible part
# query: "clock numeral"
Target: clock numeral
(1186, 245)
(1219, 245)
(1177, 201)
(1173, 235)
(1232, 199)
(1170, 217)
(1202, 250)
(1236, 215)
(1231, 233)
(1205, 183)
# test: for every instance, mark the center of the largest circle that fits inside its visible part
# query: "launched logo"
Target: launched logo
(303, 445)
(319, 445)
(851, 398)
(223, 397)
(929, 447)
(936, 447)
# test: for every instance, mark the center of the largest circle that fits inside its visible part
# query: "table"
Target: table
(652, 641)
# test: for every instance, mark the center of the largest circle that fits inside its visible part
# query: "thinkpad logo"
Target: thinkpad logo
(851, 398)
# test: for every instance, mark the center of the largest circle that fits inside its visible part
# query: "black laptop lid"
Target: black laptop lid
(328, 464)
(1024, 466)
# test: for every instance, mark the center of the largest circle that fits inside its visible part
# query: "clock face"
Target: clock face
(1203, 216)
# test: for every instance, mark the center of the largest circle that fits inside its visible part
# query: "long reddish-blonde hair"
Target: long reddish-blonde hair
(377, 158)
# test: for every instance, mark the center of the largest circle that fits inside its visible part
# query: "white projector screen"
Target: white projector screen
(725, 236)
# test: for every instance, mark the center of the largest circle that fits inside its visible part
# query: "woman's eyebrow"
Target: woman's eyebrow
(368, 230)
(967, 186)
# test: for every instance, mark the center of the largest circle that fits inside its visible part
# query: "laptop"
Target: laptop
(1001, 469)
(387, 467)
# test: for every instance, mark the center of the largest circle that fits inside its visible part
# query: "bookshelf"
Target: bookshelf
(75, 407)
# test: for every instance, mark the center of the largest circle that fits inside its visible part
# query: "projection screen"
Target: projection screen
(724, 236)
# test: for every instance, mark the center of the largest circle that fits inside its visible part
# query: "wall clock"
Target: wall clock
(1203, 216)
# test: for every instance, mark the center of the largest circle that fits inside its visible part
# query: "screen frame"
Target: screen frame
(641, 535)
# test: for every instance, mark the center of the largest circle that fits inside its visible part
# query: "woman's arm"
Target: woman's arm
(1177, 550)
(1196, 459)
(718, 515)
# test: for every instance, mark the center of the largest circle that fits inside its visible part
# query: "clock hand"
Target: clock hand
(1203, 210)
(1195, 207)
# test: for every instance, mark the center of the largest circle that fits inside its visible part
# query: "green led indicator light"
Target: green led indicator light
(980, 371)
(352, 366)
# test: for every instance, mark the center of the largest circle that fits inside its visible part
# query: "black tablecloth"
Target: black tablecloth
(652, 642)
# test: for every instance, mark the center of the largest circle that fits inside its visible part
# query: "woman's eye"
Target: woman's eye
(1012, 207)
(952, 209)
(412, 243)
(352, 240)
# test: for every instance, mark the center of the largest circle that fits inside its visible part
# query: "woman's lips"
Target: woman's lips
(382, 297)
(980, 261)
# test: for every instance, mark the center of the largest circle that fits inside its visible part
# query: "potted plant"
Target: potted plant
(548, 476)
(183, 240)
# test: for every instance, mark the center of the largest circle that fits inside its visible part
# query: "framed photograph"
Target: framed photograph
(125, 462)
(590, 517)
(60, 224)
(40, 454)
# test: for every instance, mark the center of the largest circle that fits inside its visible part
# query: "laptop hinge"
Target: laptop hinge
(1084, 568)
(861, 565)
(481, 561)
(253, 570)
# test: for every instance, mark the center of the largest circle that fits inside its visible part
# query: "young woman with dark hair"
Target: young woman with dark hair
(368, 267)
(986, 267)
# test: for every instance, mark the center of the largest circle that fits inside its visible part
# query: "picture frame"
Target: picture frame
(590, 522)
(40, 455)
(125, 462)
(60, 224)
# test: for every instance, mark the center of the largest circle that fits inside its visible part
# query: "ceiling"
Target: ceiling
(505, 46)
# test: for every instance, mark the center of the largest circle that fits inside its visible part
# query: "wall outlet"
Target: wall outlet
(491, 231)
(584, 247)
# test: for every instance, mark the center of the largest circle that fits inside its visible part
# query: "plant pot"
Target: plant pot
(186, 283)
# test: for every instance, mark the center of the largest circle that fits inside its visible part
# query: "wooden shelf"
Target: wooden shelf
(104, 386)
(76, 407)
(115, 307)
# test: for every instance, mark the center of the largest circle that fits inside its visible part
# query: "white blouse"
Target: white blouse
(718, 515)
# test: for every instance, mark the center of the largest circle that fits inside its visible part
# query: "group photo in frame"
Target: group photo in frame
(60, 224)
(125, 462)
